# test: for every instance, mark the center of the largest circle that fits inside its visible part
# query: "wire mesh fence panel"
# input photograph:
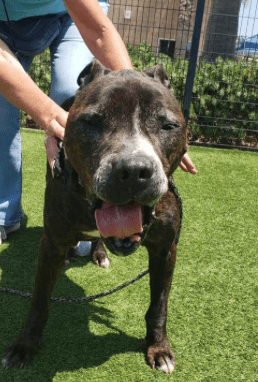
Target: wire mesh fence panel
(224, 103)
(157, 31)
(224, 95)
(225, 92)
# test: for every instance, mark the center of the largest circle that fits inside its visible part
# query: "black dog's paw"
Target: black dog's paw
(99, 255)
(20, 353)
(160, 357)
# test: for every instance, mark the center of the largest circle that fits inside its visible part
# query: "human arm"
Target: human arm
(99, 33)
(19, 89)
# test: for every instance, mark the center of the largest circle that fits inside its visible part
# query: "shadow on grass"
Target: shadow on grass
(69, 343)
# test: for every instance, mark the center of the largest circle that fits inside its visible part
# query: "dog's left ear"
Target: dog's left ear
(158, 73)
(92, 71)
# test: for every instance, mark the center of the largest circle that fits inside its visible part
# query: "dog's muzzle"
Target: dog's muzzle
(129, 185)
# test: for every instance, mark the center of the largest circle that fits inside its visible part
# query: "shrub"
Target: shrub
(224, 97)
(40, 71)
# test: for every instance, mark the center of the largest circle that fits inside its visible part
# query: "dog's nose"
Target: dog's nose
(133, 170)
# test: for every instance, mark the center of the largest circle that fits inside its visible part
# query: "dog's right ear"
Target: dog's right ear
(92, 71)
(158, 73)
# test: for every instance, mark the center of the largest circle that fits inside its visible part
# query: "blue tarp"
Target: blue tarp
(248, 46)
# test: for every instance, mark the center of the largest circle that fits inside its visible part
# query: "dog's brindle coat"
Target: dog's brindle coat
(124, 138)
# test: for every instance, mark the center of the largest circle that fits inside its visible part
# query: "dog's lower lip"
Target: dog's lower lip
(126, 244)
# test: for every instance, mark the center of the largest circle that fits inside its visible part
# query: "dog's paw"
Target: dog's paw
(20, 353)
(101, 259)
(160, 357)
(99, 255)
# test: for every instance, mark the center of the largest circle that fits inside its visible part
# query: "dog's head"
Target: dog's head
(125, 136)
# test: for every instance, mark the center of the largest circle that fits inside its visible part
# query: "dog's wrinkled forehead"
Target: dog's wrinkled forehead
(126, 95)
(118, 89)
(123, 92)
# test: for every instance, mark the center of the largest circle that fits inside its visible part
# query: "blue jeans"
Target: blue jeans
(69, 55)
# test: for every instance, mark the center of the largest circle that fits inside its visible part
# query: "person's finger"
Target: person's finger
(62, 118)
(55, 129)
(51, 148)
(182, 166)
(188, 164)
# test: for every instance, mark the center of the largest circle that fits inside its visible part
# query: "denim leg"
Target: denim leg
(69, 56)
(10, 161)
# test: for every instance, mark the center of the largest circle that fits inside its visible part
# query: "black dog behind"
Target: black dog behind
(124, 138)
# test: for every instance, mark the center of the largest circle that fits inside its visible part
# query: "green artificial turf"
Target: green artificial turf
(212, 315)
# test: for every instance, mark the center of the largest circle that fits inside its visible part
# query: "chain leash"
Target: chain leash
(80, 299)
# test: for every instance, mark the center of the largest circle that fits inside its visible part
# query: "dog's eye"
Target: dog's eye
(168, 122)
(170, 126)
(92, 120)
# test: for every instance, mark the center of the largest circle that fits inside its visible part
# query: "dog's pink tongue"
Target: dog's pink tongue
(119, 221)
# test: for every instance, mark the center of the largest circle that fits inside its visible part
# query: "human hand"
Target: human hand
(187, 165)
(55, 130)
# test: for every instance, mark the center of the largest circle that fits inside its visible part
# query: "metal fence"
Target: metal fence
(210, 51)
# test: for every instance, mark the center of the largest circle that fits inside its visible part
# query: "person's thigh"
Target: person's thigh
(10, 157)
(69, 56)
(10, 164)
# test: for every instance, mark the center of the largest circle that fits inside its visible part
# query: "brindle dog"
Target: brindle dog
(124, 138)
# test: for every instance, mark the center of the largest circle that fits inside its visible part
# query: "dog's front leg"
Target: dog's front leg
(161, 266)
(23, 349)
